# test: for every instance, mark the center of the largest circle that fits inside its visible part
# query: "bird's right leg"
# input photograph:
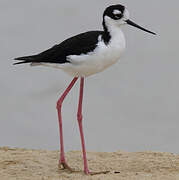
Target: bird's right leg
(62, 161)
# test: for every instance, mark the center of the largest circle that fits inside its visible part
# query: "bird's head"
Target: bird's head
(117, 15)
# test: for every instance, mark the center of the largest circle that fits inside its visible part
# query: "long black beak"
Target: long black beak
(137, 26)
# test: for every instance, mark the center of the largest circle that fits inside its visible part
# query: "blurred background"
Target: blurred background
(132, 106)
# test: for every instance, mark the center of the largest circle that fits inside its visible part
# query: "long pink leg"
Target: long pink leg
(79, 117)
(59, 107)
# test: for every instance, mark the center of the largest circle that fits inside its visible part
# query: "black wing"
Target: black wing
(76, 45)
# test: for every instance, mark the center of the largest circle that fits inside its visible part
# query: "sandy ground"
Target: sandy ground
(17, 164)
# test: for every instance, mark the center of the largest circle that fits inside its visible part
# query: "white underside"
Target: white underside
(101, 58)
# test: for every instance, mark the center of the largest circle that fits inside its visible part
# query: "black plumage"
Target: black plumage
(76, 45)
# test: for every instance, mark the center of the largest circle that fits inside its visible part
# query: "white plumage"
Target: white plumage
(102, 57)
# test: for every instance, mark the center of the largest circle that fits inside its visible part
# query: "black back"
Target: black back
(76, 45)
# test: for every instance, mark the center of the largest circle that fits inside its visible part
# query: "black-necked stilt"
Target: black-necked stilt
(83, 55)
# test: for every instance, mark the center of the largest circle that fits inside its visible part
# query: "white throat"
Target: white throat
(114, 29)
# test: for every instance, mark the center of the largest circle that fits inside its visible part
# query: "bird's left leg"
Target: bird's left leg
(79, 117)
(62, 161)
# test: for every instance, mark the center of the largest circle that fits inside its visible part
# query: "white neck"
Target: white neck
(114, 29)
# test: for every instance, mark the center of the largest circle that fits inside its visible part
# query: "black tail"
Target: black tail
(25, 59)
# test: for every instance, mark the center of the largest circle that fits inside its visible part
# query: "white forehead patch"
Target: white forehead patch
(116, 12)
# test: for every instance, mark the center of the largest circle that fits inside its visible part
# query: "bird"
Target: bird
(81, 56)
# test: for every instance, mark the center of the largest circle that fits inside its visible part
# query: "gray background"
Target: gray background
(132, 106)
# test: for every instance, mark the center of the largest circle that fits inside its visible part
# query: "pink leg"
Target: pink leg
(59, 106)
(79, 117)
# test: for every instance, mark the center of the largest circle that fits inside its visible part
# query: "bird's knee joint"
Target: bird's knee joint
(59, 104)
(79, 117)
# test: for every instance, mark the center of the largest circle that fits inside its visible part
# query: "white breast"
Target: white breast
(98, 60)
(101, 58)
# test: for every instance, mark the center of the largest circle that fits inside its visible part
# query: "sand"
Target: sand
(22, 164)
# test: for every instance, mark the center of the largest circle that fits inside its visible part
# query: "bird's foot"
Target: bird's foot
(87, 172)
(64, 165)
(100, 172)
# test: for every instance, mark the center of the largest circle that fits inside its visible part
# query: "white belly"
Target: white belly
(98, 60)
